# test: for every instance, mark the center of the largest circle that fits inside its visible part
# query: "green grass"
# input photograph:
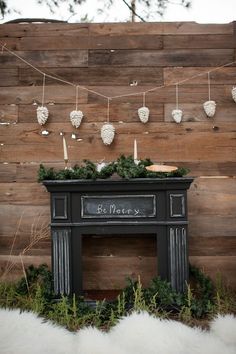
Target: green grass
(201, 301)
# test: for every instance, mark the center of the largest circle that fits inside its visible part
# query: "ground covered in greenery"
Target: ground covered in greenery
(124, 167)
(201, 301)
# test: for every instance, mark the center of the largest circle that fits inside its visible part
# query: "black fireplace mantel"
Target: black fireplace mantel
(118, 206)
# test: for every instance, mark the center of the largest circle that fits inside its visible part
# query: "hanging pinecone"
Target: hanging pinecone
(42, 115)
(143, 113)
(234, 93)
(76, 118)
(209, 108)
(107, 133)
(177, 115)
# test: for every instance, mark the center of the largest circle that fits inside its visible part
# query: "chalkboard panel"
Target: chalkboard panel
(119, 206)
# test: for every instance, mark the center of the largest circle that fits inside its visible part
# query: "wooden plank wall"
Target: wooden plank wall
(108, 58)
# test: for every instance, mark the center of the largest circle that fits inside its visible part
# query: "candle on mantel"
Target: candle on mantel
(135, 150)
(65, 150)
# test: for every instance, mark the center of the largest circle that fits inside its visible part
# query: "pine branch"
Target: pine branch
(133, 11)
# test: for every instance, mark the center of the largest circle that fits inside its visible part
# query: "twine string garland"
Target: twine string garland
(144, 99)
(108, 110)
(76, 97)
(209, 86)
(177, 96)
(43, 94)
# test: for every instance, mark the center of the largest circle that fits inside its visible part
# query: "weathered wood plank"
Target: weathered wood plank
(105, 76)
(212, 147)
(23, 194)
(160, 28)
(23, 221)
(8, 172)
(30, 133)
(46, 58)
(199, 41)
(16, 270)
(211, 225)
(221, 265)
(112, 272)
(212, 246)
(84, 42)
(166, 57)
(33, 94)
(119, 246)
(213, 196)
(8, 113)
(63, 94)
(9, 77)
(198, 75)
(45, 29)
(38, 247)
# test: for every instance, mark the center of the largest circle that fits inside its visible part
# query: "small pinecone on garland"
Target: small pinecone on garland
(234, 93)
(76, 118)
(143, 113)
(107, 133)
(42, 115)
(209, 108)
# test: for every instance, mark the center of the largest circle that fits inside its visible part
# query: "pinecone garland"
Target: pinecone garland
(234, 93)
(143, 113)
(42, 115)
(107, 133)
(76, 118)
(209, 108)
(177, 115)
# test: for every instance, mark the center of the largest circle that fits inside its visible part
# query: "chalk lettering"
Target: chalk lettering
(101, 210)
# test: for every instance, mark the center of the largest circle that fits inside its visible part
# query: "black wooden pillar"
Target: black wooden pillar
(138, 206)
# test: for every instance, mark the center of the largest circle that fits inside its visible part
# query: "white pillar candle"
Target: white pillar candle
(65, 149)
(135, 150)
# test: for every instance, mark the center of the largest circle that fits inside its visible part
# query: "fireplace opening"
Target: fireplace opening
(108, 261)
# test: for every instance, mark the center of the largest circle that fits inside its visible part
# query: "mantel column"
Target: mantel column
(61, 264)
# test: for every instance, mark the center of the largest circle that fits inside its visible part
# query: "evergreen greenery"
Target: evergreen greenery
(200, 301)
(124, 167)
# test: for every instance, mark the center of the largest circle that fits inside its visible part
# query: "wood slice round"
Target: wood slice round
(161, 168)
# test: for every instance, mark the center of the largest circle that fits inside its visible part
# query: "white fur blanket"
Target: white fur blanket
(25, 333)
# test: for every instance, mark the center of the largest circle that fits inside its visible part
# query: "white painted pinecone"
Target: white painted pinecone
(107, 133)
(42, 115)
(76, 118)
(209, 108)
(177, 115)
(234, 93)
(143, 113)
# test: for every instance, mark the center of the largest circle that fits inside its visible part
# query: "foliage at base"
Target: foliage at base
(200, 301)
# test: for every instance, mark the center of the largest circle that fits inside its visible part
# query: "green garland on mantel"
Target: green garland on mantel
(124, 167)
